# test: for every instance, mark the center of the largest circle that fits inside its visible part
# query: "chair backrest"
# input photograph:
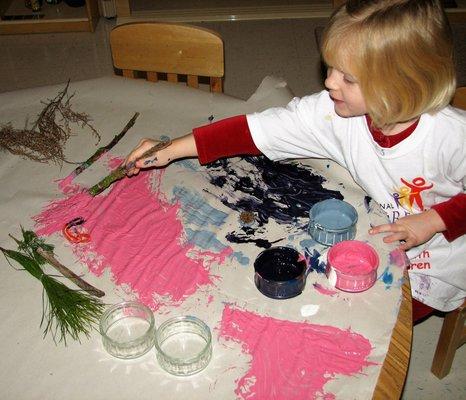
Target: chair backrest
(459, 99)
(173, 49)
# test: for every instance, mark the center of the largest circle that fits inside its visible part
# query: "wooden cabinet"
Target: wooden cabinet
(16, 18)
(257, 11)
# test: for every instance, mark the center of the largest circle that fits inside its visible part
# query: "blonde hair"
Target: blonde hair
(400, 52)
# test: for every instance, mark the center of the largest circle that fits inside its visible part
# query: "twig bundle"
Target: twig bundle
(44, 141)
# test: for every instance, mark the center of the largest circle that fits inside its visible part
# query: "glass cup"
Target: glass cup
(128, 330)
(184, 345)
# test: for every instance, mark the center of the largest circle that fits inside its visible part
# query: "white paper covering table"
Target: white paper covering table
(262, 348)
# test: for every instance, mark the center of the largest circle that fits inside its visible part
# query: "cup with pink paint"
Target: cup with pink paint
(352, 266)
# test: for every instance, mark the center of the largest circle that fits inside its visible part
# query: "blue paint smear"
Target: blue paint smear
(241, 258)
(200, 214)
(281, 191)
(313, 263)
(367, 203)
(196, 210)
(386, 277)
(188, 164)
(204, 239)
(308, 243)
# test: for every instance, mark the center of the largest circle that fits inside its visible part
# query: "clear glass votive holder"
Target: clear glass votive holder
(183, 345)
(128, 330)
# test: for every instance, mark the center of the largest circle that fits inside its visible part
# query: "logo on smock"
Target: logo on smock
(409, 195)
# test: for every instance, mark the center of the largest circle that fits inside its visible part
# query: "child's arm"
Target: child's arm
(225, 138)
(181, 147)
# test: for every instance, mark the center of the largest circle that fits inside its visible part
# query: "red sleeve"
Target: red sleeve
(453, 213)
(226, 138)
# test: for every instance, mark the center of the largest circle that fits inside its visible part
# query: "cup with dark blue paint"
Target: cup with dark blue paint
(280, 272)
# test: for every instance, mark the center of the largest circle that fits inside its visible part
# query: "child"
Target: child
(384, 117)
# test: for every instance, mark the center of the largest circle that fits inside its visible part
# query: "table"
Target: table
(200, 260)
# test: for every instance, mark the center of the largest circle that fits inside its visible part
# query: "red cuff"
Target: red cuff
(420, 311)
(226, 138)
(453, 214)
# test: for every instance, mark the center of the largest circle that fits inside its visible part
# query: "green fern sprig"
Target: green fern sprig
(65, 312)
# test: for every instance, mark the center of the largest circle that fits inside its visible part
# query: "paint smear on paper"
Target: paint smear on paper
(387, 277)
(292, 360)
(281, 191)
(138, 235)
(323, 290)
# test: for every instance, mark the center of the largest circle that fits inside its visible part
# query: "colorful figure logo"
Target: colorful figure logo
(409, 195)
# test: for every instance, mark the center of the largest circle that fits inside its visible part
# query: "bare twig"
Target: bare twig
(104, 149)
(70, 274)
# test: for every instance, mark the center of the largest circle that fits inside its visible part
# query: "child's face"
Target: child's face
(345, 93)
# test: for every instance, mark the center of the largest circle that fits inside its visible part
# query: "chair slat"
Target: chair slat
(152, 76)
(193, 81)
(129, 73)
(172, 78)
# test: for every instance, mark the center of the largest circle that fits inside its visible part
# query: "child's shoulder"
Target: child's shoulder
(452, 119)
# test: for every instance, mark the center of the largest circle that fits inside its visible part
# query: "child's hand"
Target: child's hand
(134, 164)
(181, 147)
(412, 230)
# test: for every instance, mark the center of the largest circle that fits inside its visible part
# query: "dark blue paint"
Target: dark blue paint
(282, 191)
(313, 263)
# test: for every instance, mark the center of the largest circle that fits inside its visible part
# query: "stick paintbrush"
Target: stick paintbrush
(120, 172)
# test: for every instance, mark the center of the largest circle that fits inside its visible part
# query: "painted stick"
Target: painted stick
(70, 274)
(120, 172)
(104, 149)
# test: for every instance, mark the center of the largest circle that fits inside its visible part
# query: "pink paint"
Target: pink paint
(292, 360)
(353, 257)
(137, 234)
(323, 290)
(352, 265)
(399, 258)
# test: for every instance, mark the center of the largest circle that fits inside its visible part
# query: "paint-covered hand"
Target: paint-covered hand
(412, 230)
(164, 152)
(137, 159)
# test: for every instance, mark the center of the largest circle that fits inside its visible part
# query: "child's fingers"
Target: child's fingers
(395, 237)
(131, 163)
(382, 228)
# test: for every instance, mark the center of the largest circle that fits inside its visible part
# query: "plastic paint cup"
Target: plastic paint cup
(332, 221)
(280, 272)
(352, 266)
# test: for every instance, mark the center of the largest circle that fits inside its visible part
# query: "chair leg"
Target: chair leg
(216, 85)
(451, 337)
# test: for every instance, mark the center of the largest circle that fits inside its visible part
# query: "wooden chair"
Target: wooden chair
(452, 336)
(459, 99)
(172, 51)
(453, 333)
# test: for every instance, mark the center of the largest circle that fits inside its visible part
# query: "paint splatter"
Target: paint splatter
(323, 290)
(292, 360)
(314, 262)
(387, 278)
(399, 258)
(137, 234)
(281, 191)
